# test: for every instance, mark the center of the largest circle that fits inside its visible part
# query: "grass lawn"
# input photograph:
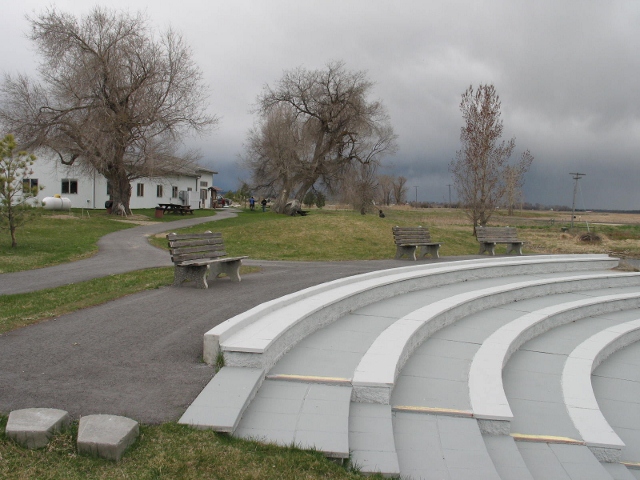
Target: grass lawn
(169, 451)
(55, 237)
(326, 235)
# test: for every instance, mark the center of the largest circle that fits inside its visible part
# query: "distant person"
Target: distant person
(252, 203)
(264, 204)
(381, 214)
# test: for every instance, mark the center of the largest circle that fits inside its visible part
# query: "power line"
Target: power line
(576, 176)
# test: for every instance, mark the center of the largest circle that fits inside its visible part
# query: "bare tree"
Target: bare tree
(112, 97)
(276, 152)
(514, 181)
(400, 190)
(335, 125)
(479, 171)
(385, 183)
(359, 186)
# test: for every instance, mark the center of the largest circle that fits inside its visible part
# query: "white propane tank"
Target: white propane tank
(56, 203)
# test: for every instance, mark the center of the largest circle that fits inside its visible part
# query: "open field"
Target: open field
(328, 234)
(346, 235)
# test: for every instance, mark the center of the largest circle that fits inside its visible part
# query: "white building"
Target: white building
(189, 187)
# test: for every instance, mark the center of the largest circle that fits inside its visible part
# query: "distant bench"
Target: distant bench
(488, 237)
(196, 254)
(175, 208)
(412, 240)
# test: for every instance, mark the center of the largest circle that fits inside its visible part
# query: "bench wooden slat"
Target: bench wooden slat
(199, 248)
(179, 259)
(199, 241)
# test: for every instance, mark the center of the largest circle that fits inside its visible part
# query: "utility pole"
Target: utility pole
(416, 187)
(449, 185)
(576, 176)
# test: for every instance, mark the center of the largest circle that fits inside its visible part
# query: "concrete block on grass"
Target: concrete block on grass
(33, 427)
(106, 436)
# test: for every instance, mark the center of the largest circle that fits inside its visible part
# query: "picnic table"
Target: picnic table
(175, 208)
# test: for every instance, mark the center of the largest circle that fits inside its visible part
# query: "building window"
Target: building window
(109, 189)
(140, 189)
(159, 191)
(69, 186)
(174, 192)
(30, 185)
(204, 184)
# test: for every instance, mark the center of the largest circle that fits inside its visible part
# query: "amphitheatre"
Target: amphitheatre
(466, 366)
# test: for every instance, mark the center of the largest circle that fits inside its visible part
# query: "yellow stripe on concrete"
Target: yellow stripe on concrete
(310, 379)
(434, 411)
(521, 437)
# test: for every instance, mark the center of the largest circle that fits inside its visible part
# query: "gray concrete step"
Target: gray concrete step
(225, 398)
(373, 448)
(436, 447)
(307, 415)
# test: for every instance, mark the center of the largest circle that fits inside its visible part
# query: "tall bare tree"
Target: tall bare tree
(385, 185)
(276, 152)
(335, 123)
(479, 171)
(400, 190)
(359, 186)
(514, 181)
(112, 96)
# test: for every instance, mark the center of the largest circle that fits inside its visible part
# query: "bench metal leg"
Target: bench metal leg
(232, 269)
(432, 250)
(409, 251)
(488, 247)
(514, 247)
(196, 274)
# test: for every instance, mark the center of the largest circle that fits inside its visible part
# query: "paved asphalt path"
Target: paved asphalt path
(139, 356)
(118, 252)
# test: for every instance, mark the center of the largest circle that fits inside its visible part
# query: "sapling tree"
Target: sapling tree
(16, 190)
(481, 172)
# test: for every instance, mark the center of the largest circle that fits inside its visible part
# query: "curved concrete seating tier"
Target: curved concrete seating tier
(375, 376)
(260, 336)
(486, 390)
(319, 369)
(578, 393)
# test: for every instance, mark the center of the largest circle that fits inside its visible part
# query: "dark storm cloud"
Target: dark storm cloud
(566, 73)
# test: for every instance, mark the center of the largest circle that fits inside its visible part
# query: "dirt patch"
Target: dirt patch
(65, 217)
(135, 220)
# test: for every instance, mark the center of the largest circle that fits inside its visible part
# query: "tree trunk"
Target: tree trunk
(120, 191)
(14, 242)
(281, 201)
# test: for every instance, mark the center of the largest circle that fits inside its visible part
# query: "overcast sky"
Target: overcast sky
(567, 72)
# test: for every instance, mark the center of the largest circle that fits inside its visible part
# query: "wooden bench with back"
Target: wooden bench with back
(198, 255)
(414, 240)
(488, 237)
